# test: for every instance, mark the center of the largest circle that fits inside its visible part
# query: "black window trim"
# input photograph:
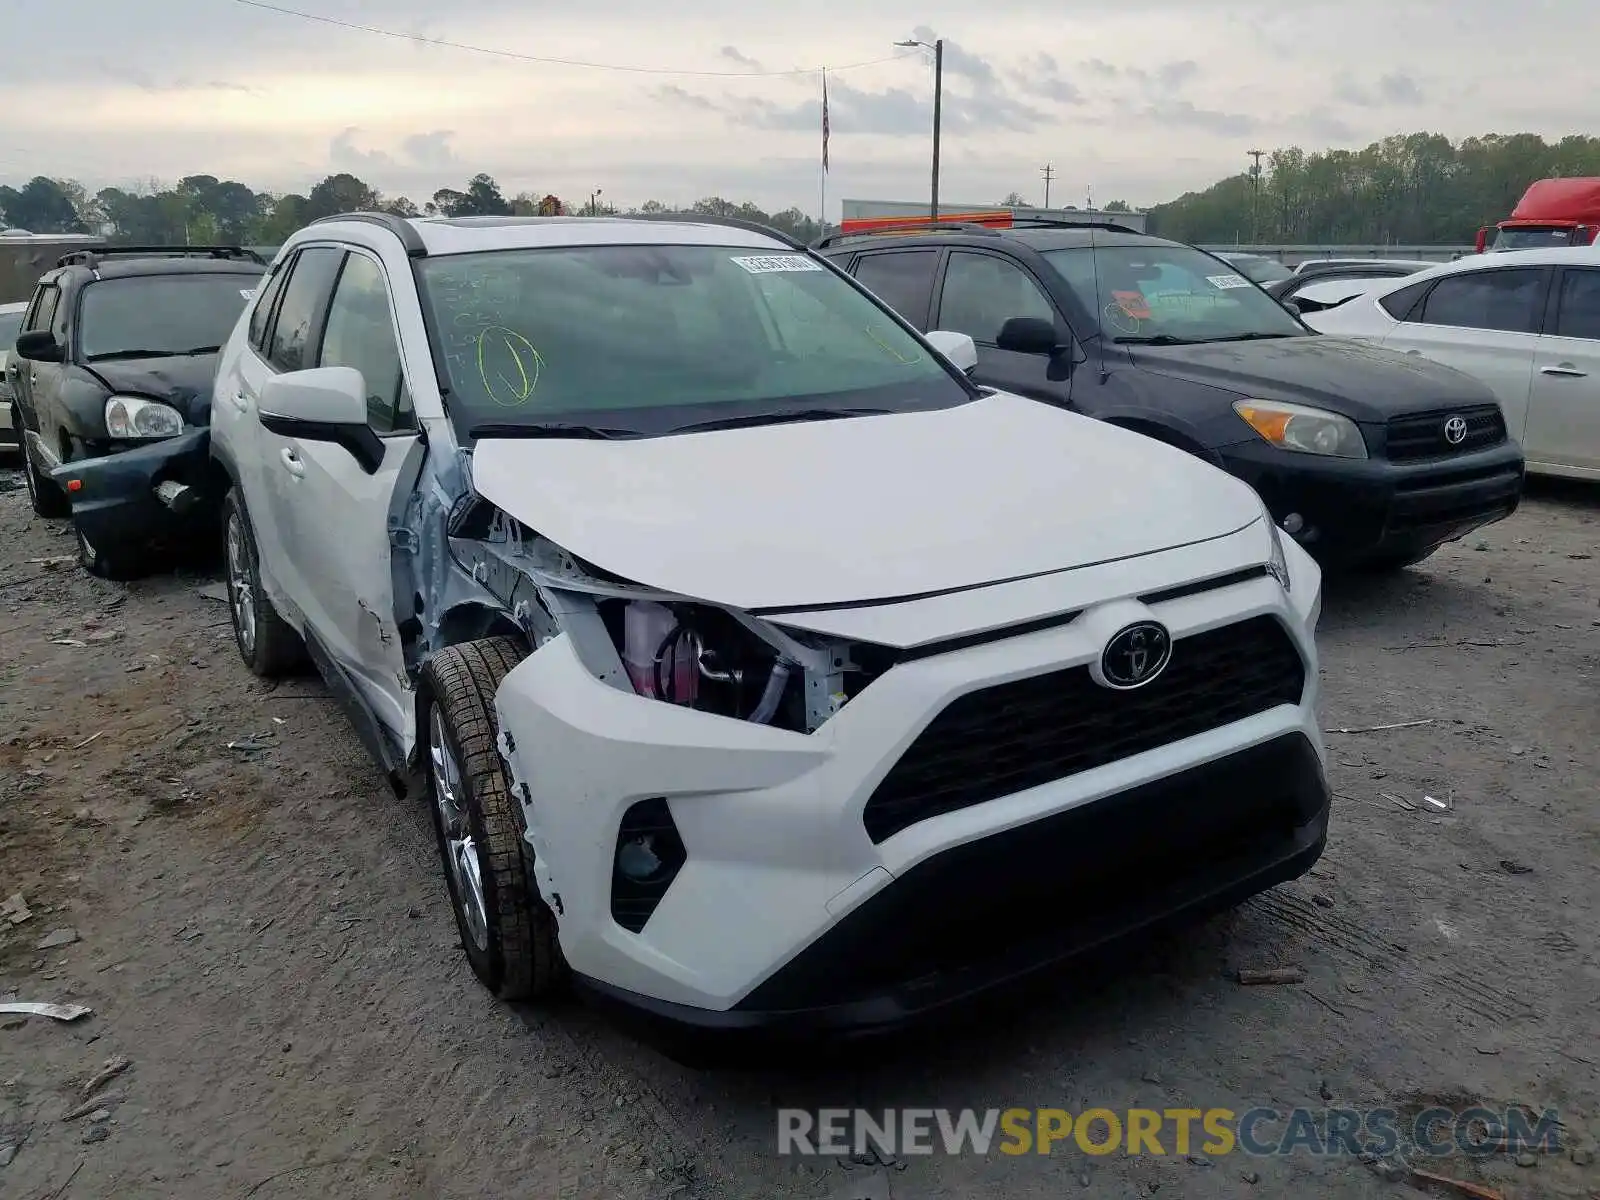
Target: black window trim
(319, 314)
(1541, 308)
(1552, 312)
(29, 321)
(936, 312)
(282, 271)
(935, 277)
(394, 325)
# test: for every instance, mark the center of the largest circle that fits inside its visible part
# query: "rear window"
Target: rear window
(148, 316)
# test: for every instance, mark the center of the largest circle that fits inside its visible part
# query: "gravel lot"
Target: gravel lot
(262, 930)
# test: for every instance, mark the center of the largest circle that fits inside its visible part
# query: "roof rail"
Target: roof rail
(399, 226)
(907, 229)
(92, 258)
(1065, 223)
(694, 218)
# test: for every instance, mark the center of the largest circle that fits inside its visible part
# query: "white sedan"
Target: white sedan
(1527, 325)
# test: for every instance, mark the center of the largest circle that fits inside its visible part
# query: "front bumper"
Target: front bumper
(114, 497)
(786, 912)
(1357, 509)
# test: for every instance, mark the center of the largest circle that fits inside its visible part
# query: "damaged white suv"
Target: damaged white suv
(760, 669)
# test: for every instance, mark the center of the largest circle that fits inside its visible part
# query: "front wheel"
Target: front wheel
(507, 931)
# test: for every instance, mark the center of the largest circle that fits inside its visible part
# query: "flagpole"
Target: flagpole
(822, 211)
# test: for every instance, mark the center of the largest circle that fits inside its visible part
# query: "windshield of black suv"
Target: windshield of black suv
(1168, 294)
(649, 339)
(151, 316)
(1530, 237)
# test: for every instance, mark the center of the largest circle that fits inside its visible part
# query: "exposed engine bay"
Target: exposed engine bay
(655, 644)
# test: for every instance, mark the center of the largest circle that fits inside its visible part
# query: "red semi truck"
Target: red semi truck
(1552, 212)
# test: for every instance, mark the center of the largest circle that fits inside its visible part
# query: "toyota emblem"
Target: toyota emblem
(1136, 655)
(1455, 430)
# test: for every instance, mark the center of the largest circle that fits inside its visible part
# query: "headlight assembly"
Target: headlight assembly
(131, 417)
(1307, 430)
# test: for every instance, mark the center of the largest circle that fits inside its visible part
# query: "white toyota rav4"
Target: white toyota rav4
(760, 669)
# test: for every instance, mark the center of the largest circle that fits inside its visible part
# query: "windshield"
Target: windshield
(1529, 237)
(10, 326)
(1166, 293)
(650, 339)
(1260, 270)
(146, 316)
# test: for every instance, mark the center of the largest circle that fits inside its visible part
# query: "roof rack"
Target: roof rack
(906, 229)
(1066, 223)
(694, 218)
(399, 226)
(92, 258)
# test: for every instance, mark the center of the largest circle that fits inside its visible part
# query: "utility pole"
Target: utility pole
(1255, 197)
(1049, 173)
(938, 104)
(1090, 198)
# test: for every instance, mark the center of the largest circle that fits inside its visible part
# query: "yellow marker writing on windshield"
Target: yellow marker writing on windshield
(885, 347)
(504, 390)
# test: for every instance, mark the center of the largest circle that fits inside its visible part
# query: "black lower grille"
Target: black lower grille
(1019, 735)
(1422, 435)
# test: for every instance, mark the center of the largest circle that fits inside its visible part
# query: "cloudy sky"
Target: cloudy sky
(1134, 99)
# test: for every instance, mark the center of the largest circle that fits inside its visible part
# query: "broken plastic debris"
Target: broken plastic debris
(67, 642)
(213, 591)
(1441, 805)
(61, 1012)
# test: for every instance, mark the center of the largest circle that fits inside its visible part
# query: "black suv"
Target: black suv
(1365, 456)
(112, 375)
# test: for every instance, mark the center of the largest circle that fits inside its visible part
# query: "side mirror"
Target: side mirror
(1292, 305)
(40, 345)
(324, 404)
(959, 348)
(1028, 335)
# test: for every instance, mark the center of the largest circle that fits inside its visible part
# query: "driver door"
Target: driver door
(334, 515)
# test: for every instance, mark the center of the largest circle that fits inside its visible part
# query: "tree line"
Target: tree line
(204, 210)
(1411, 189)
(1418, 188)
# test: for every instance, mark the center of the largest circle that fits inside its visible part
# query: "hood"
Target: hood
(866, 508)
(183, 381)
(1362, 382)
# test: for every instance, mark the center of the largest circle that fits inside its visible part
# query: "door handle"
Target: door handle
(292, 463)
(241, 402)
(1565, 369)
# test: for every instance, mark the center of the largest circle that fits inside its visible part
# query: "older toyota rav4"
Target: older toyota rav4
(761, 671)
(1368, 458)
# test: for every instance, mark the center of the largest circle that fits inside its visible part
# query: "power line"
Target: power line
(557, 62)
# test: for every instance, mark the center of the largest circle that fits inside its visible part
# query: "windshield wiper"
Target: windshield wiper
(1255, 337)
(111, 354)
(1157, 339)
(778, 418)
(551, 429)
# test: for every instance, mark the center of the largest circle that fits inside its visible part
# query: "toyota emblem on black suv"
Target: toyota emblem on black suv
(1455, 430)
(1136, 655)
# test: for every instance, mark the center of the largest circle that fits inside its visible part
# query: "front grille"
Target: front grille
(1005, 739)
(1421, 435)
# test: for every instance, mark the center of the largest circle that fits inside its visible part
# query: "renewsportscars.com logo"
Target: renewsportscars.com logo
(1181, 1131)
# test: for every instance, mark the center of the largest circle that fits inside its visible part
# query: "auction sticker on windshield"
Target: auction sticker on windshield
(1224, 282)
(766, 264)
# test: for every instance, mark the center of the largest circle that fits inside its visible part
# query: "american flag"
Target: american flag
(824, 121)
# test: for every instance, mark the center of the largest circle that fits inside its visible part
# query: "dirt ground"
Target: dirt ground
(262, 930)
